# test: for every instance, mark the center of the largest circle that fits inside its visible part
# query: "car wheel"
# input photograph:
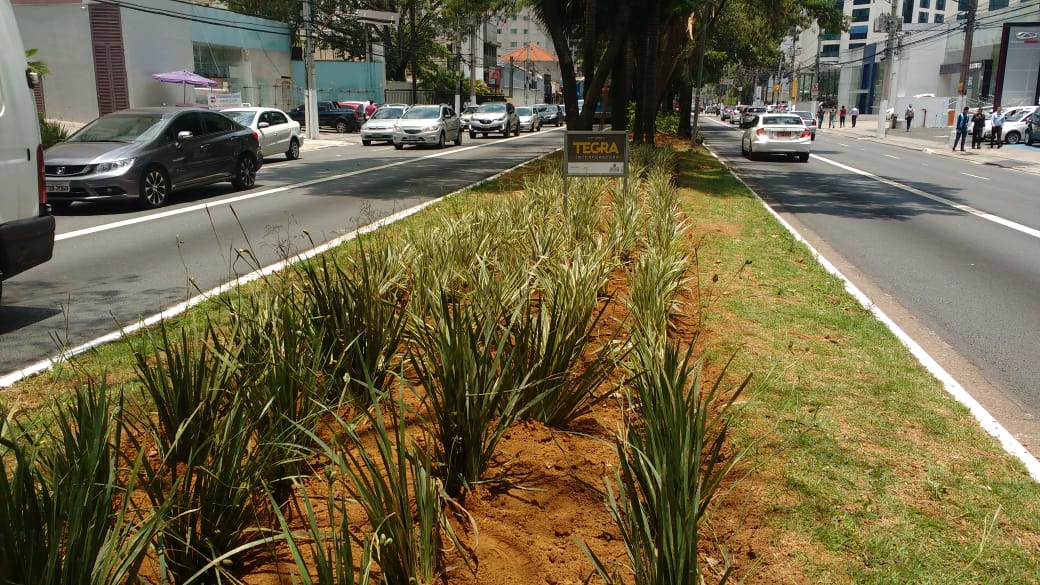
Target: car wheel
(472, 135)
(440, 140)
(516, 132)
(62, 206)
(750, 152)
(294, 150)
(804, 157)
(245, 172)
(1012, 137)
(743, 151)
(507, 130)
(341, 126)
(366, 142)
(155, 188)
(458, 138)
(398, 145)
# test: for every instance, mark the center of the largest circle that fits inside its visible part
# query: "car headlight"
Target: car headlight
(432, 128)
(117, 166)
(397, 127)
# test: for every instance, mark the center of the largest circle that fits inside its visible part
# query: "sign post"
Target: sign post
(587, 154)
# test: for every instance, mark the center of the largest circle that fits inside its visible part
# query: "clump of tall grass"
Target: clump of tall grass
(672, 465)
(472, 383)
(553, 335)
(358, 314)
(625, 222)
(65, 516)
(653, 286)
(584, 218)
(209, 468)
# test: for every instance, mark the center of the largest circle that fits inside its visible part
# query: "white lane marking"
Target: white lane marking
(942, 200)
(975, 176)
(44, 365)
(986, 420)
(891, 156)
(266, 192)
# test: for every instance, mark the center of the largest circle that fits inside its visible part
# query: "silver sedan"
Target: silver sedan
(784, 134)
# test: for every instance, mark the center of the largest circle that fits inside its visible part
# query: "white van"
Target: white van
(26, 225)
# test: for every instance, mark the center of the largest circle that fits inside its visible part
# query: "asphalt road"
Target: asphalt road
(114, 264)
(949, 249)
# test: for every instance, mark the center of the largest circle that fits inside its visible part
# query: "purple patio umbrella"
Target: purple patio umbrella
(185, 78)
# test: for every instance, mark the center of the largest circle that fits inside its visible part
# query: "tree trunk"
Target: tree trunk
(621, 88)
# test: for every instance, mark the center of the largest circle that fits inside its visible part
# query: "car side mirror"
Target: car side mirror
(263, 124)
(184, 135)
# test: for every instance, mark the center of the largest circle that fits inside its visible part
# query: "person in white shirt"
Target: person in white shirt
(854, 113)
(997, 133)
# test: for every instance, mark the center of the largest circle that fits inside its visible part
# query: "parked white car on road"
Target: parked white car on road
(278, 132)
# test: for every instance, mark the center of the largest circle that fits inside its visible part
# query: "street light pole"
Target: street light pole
(310, 95)
(969, 31)
(890, 27)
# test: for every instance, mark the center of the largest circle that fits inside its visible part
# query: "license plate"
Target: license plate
(58, 187)
(783, 134)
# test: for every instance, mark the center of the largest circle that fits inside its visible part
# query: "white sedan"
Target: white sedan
(776, 134)
(276, 130)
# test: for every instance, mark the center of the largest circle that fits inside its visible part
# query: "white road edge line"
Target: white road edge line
(44, 365)
(951, 385)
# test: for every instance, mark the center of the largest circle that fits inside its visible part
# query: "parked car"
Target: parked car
(145, 154)
(380, 127)
(330, 115)
(1015, 121)
(360, 107)
(549, 113)
(428, 124)
(494, 117)
(808, 118)
(776, 134)
(26, 223)
(1032, 131)
(529, 120)
(725, 113)
(278, 133)
(736, 114)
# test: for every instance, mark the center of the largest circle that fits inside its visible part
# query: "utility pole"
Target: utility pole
(969, 31)
(890, 26)
(310, 95)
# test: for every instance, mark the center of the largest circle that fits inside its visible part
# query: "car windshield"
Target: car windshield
(120, 128)
(1019, 115)
(783, 120)
(387, 113)
(524, 111)
(469, 109)
(422, 112)
(496, 108)
(244, 118)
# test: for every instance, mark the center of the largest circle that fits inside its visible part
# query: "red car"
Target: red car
(359, 109)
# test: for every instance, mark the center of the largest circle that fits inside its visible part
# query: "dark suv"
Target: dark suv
(330, 115)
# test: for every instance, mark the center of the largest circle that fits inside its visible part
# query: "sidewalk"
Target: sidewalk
(939, 141)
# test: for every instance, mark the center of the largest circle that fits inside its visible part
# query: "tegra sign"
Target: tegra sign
(596, 153)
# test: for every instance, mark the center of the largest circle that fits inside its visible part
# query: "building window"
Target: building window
(940, 4)
(525, 31)
(860, 2)
(512, 31)
(499, 31)
(939, 17)
(925, 3)
(856, 45)
(512, 45)
(830, 50)
(858, 32)
(861, 15)
(998, 4)
(922, 17)
(830, 37)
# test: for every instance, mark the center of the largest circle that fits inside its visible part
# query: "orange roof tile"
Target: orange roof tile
(531, 52)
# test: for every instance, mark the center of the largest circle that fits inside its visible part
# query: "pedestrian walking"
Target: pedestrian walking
(961, 128)
(909, 115)
(819, 116)
(854, 113)
(978, 124)
(996, 128)
(830, 116)
(841, 117)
